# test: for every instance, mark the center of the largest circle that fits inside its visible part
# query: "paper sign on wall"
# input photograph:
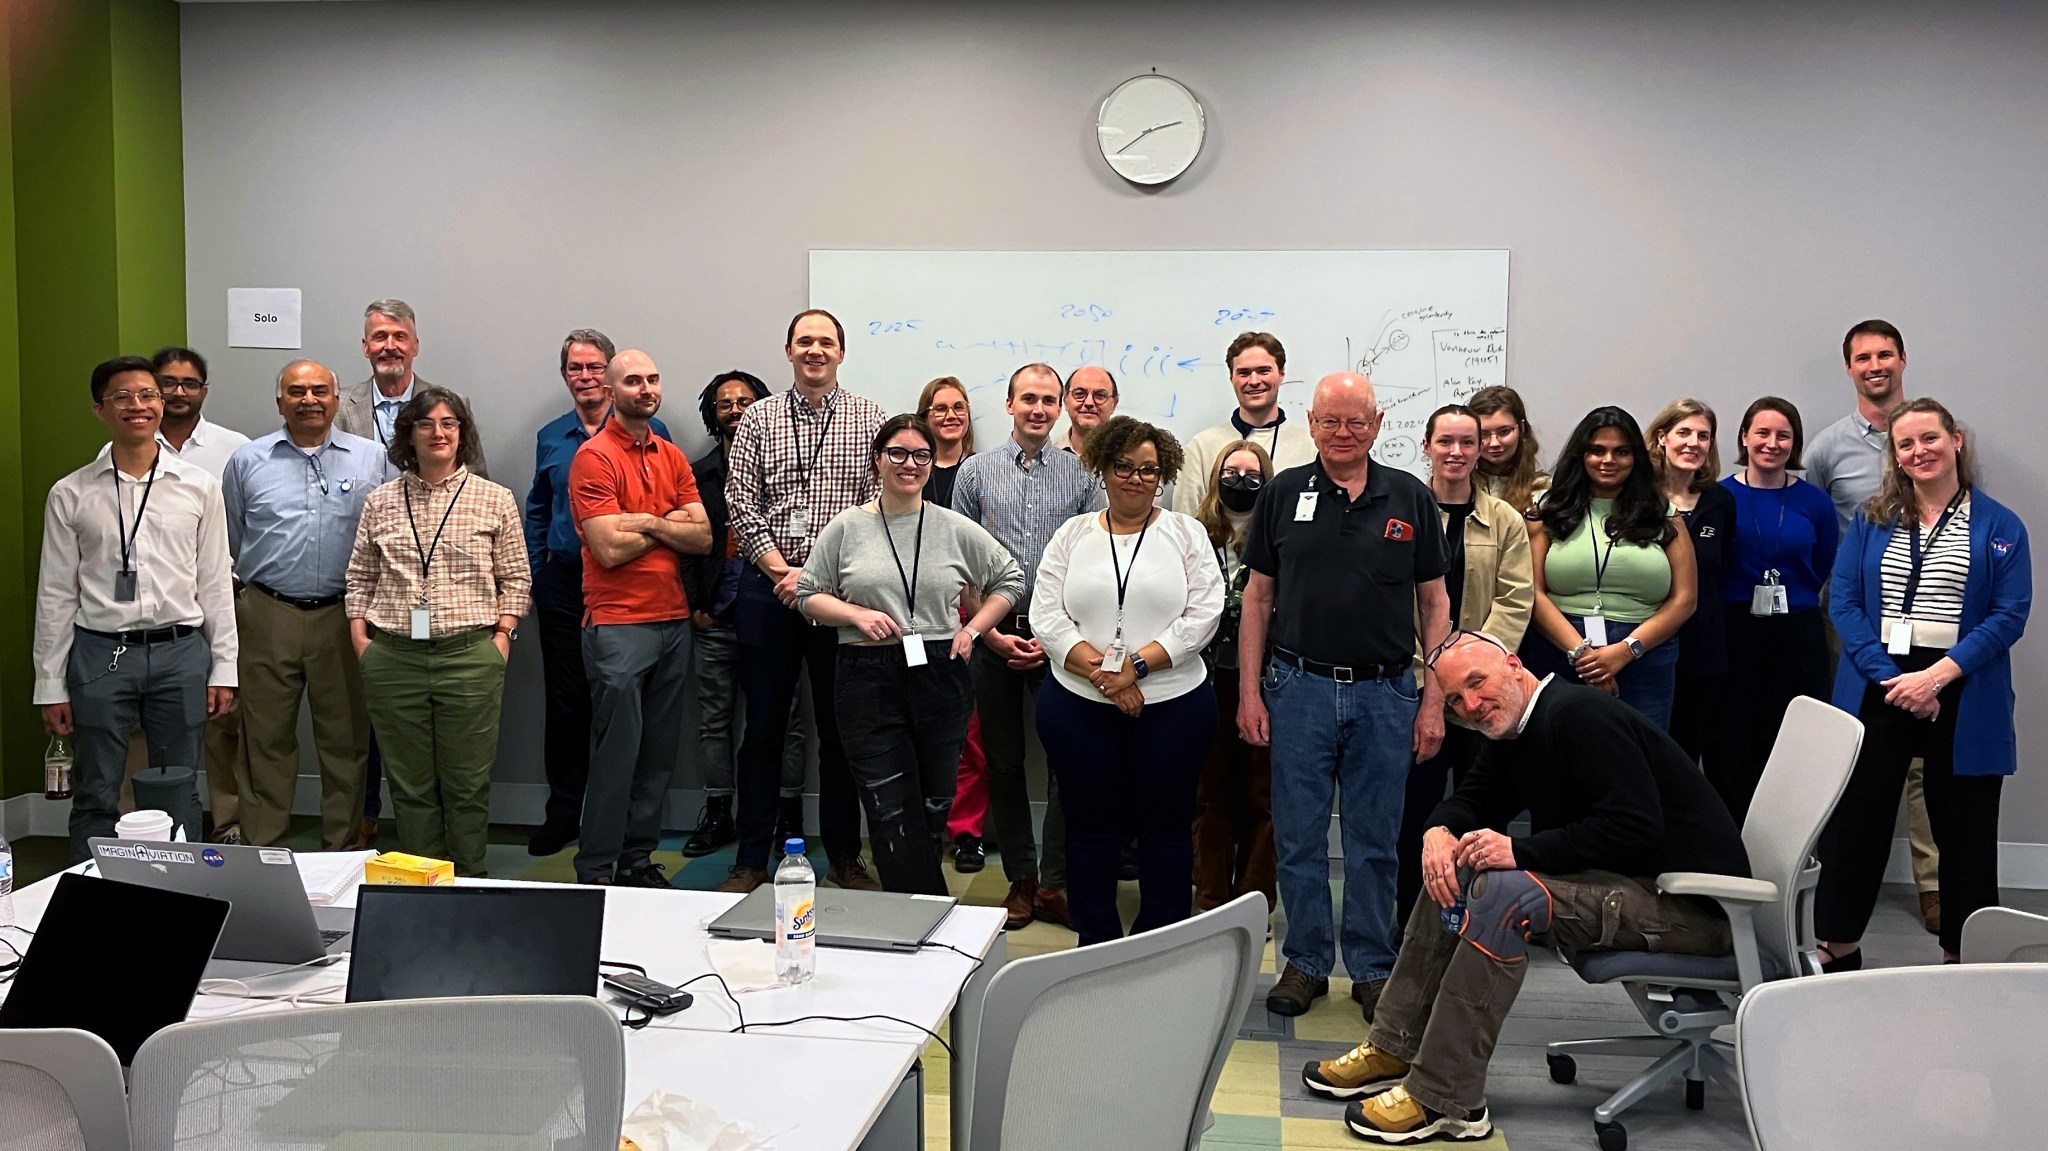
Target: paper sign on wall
(263, 317)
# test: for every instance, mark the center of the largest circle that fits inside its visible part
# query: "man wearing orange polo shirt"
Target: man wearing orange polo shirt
(637, 509)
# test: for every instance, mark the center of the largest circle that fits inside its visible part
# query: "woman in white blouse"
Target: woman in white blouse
(1125, 602)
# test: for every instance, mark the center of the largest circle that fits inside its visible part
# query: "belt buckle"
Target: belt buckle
(1020, 623)
(1343, 674)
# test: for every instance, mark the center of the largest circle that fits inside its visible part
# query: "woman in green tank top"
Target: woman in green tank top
(1614, 569)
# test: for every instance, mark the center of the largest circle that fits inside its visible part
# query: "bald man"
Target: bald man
(1613, 802)
(1089, 396)
(293, 498)
(1344, 558)
(637, 510)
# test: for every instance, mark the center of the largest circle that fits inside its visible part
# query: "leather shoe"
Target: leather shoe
(364, 838)
(1018, 904)
(1295, 992)
(968, 855)
(1050, 905)
(852, 874)
(551, 838)
(1930, 911)
(1367, 995)
(741, 880)
(714, 828)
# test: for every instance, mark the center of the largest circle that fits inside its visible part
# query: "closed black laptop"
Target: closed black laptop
(431, 942)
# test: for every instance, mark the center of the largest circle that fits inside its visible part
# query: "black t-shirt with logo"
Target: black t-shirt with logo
(1345, 579)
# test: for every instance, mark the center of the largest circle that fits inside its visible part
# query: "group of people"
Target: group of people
(1609, 644)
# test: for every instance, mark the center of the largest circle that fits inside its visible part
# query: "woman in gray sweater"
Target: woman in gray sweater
(889, 575)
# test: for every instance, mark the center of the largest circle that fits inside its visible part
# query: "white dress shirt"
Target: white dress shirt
(1173, 594)
(180, 557)
(210, 446)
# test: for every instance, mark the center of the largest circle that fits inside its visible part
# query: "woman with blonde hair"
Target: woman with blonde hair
(1931, 588)
(942, 405)
(1234, 796)
(1510, 461)
(1685, 456)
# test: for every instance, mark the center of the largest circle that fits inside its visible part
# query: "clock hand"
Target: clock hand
(1145, 133)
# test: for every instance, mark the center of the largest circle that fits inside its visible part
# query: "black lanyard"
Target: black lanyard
(427, 552)
(1600, 561)
(1777, 539)
(916, 561)
(121, 528)
(1123, 578)
(1914, 549)
(804, 471)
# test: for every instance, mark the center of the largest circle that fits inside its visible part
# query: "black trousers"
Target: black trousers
(775, 645)
(1773, 659)
(1962, 810)
(565, 748)
(1121, 777)
(902, 728)
(1695, 710)
(1006, 701)
(1428, 783)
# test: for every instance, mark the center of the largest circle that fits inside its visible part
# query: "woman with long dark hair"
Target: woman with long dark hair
(1615, 575)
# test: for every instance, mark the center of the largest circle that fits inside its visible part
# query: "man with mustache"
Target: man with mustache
(293, 500)
(1256, 362)
(637, 507)
(1849, 459)
(555, 552)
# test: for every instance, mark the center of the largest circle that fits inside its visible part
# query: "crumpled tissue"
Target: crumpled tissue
(666, 1122)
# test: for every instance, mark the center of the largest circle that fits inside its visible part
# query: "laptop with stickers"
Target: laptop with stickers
(272, 921)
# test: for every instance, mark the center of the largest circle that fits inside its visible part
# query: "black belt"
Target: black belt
(145, 635)
(302, 603)
(1018, 625)
(1341, 674)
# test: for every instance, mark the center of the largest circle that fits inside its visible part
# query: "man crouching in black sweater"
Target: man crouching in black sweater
(1612, 803)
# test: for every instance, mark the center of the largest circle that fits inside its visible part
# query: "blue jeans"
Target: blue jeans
(1357, 739)
(1648, 684)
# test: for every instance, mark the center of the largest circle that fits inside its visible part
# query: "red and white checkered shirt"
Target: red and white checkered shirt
(479, 567)
(793, 467)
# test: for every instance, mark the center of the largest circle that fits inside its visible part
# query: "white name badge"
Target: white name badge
(1305, 508)
(1781, 603)
(1113, 659)
(1901, 638)
(422, 623)
(800, 521)
(1769, 599)
(1596, 630)
(913, 649)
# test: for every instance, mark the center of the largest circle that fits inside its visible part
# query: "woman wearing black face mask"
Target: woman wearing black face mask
(1233, 800)
(1491, 589)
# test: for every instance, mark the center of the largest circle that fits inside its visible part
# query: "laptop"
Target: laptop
(430, 942)
(273, 922)
(117, 959)
(868, 920)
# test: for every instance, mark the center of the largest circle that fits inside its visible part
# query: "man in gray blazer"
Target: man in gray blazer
(390, 342)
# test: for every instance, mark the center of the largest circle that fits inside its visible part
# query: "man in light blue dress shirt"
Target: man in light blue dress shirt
(293, 499)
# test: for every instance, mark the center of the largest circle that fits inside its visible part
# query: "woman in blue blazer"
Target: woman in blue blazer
(1931, 589)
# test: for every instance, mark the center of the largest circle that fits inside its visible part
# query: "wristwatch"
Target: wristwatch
(510, 633)
(1585, 645)
(1139, 665)
(1635, 647)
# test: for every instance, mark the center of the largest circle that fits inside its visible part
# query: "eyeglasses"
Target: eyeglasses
(127, 399)
(731, 405)
(1125, 469)
(959, 409)
(1251, 480)
(901, 456)
(448, 424)
(586, 369)
(1356, 425)
(1451, 641)
(1097, 397)
(180, 384)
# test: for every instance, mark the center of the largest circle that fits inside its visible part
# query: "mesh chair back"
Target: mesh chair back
(1116, 1046)
(1808, 768)
(532, 1071)
(2003, 935)
(1926, 1058)
(60, 1090)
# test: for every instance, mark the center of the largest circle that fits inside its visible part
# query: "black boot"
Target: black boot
(789, 820)
(714, 827)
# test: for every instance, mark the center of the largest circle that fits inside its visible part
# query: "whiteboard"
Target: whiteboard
(1429, 327)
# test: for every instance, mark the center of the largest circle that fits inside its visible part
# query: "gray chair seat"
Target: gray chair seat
(1660, 967)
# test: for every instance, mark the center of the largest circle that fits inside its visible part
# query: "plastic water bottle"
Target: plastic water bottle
(1454, 915)
(6, 882)
(796, 916)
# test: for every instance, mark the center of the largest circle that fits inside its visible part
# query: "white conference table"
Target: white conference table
(854, 1072)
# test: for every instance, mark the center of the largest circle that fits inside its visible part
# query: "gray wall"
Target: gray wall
(1698, 200)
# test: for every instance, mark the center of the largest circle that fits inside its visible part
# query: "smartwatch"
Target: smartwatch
(1634, 646)
(1138, 665)
(972, 635)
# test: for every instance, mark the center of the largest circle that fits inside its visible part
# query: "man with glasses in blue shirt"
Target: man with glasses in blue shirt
(293, 498)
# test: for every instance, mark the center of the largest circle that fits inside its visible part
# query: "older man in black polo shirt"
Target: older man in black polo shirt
(1344, 557)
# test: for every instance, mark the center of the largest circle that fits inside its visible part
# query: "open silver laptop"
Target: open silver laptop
(870, 920)
(272, 921)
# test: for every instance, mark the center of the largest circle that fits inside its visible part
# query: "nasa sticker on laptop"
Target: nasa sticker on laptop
(213, 858)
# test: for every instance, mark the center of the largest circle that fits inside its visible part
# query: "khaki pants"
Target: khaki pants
(435, 704)
(289, 654)
(1443, 1006)
(1920, 833)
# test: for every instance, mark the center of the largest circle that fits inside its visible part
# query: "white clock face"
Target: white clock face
(1150, 129)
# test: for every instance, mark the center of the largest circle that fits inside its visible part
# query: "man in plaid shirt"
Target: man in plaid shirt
(797, 460)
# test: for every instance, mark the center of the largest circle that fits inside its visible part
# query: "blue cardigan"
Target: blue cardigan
(1996, 599)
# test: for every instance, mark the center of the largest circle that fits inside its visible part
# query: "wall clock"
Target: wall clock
(1150, 129)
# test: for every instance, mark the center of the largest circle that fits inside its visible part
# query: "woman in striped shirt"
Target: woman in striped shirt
(1931, 589)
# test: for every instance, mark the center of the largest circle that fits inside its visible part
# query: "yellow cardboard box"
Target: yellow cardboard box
(396, 867)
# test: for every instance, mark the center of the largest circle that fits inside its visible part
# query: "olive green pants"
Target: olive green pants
(435, 705)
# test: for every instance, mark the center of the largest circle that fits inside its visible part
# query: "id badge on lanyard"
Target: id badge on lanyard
(1769, 598)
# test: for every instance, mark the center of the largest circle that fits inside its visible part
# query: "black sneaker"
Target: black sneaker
(649, 874)
(714, 828)
(968, 854)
